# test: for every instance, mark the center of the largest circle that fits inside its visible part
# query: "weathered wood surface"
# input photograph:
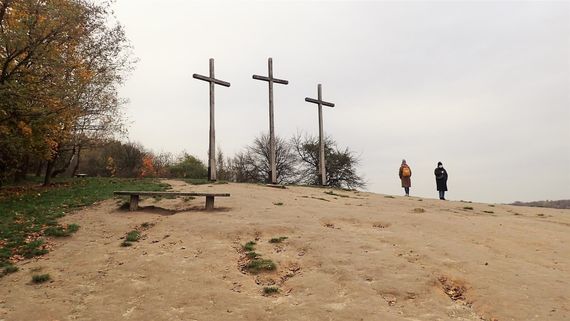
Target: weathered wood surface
(135, 197)
(272, 154)
(151, 193)
(212, 145)
(320, 103)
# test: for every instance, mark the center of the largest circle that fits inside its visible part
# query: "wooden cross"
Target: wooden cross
(212, 149)
(320, 102)
(271, 80)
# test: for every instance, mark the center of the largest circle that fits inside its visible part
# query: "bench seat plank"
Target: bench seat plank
(149, 193)
(135, 196)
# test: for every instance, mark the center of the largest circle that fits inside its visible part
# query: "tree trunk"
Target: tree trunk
(49, 170)
(40, 169)
(22, 170)
(76, 167)
(65, 166)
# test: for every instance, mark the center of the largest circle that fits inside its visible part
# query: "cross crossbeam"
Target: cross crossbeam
(270, 80)
(214, 80)
(212, 148)
(320, 103)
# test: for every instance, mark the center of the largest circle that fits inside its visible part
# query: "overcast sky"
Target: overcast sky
(483, 87)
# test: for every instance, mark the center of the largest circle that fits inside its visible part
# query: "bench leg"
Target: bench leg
(209, 203)
(134, 203)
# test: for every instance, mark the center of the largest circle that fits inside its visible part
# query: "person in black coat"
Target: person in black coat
(441, 180)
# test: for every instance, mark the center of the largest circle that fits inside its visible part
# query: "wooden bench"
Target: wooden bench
(135, 195)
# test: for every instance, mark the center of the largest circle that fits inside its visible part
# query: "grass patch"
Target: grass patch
(260, 265)
(278, 239)
(60, 231)
(252, 255)
(34, 209)
(468, 208)
(278, 204)
(41, 278)
(419, 210)
(133, 236)
(249, 246)
(8, 270)
(33, 248)
(269, 290)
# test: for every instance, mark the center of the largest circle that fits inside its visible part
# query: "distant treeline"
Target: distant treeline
(560, 204)
(297, 161)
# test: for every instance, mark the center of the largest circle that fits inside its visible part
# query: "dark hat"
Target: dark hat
(439, 163)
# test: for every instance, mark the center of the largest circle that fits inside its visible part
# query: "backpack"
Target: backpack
(406, 172)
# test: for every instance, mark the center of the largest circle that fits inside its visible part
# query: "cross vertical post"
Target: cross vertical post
(272, 153)
(212, 145)
(320, 103)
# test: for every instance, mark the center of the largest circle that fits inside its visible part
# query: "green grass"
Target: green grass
(269, 290)
(8, 269)
(60, 231)
(252, 255)
(259, 265)
(41, 278)
(34, 210)
(133, 236)
(249, 246)
(278, 239)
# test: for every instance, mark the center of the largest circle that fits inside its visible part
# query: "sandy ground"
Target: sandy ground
(361, 257)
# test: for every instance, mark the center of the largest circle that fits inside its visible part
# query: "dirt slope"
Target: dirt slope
(359, 257)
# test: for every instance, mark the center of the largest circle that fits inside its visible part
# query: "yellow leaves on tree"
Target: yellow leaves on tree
(111, 167)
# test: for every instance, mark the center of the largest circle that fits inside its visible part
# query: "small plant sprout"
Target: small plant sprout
(37, 279)
(252, 255)
(249, 246)
(277, 239)
(133, 236)
(269, 290)
(259, 265)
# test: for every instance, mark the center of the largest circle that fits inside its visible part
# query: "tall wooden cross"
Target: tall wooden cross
(212, 148)
(320, 102)
(271, 80)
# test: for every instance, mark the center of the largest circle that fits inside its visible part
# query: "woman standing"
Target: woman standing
(405, 176)
(441, 180)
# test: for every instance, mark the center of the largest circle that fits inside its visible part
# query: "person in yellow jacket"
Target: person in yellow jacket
(405, 176)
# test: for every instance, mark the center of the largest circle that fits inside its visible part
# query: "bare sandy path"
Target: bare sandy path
(360, 257)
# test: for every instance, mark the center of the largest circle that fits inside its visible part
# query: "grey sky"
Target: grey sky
(482, 87)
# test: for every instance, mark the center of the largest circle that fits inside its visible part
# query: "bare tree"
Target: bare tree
(252, 165)
(340, 163)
